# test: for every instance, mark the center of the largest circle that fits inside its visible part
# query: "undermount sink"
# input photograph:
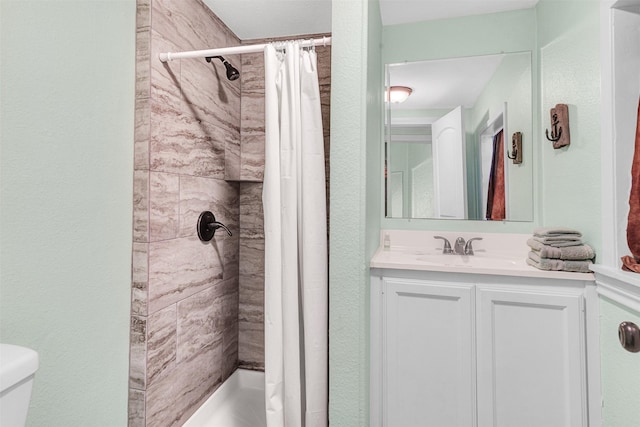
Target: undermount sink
(475, 261)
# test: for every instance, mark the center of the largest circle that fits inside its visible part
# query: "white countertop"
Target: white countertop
(501, 254)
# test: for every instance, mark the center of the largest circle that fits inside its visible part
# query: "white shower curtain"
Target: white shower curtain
(294, 200)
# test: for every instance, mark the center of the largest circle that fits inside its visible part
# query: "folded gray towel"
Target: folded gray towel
(554, 231)
(557, 264)
(559, 241)
(577, 253)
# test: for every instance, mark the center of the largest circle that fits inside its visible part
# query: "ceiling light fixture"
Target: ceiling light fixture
(398, 94)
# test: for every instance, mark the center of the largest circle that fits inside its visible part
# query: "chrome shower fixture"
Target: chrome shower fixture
(232, 72)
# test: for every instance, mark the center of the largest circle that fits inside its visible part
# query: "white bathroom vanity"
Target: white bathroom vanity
(481, 340)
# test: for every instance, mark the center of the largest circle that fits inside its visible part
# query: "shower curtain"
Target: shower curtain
(296, 276)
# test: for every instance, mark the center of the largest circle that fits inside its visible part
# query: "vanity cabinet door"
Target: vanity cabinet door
(429, 354)
(531, 359)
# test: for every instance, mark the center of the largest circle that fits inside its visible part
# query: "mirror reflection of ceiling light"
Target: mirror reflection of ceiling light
(398, 94)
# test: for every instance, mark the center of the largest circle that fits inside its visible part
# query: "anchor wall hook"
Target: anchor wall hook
(556, 130)
(559, 126)
(516, 148)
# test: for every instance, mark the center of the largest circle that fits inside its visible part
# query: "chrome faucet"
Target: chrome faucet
(460, 248)
(446, 249)
(468, 249)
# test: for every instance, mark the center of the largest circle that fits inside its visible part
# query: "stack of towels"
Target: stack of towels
(559, 249)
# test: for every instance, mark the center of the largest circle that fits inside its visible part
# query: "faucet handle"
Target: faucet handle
(468, 249)
(447, 246)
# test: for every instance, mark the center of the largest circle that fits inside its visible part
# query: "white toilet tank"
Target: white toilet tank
(18, 366)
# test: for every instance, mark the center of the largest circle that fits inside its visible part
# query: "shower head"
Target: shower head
(232, 72)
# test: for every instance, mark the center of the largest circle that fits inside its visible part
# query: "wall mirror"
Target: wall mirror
(449, 144)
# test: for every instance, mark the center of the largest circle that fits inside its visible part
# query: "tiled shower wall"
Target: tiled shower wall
(184, 323)
(197, 308)
(251, 320)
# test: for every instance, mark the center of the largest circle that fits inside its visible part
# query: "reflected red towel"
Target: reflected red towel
(495, 199)
(633, 222)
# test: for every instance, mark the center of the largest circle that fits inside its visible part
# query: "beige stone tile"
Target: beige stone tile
(141, 206)
(251, 252)
(252, 72)
(229, 351)
(142, 131)
(161, 344)
(143, 64)
(164, 76)
(204, 318)
(139, 278)
(324, 65)
(232, 159)
(182, 267)
(252, 116)
(325, 105)
(228, 304)
(138, 353)
(190, 27)
(143, 13)
(189, 130)
(251, 302)
(164, 213)
(232, 257)
(210, 96)
(199, 194)
(252, 158)
(182, 144)
(251, 210)
(136, 408)
(199, 318)
(251, 345)
(173, 399)
(252, 305)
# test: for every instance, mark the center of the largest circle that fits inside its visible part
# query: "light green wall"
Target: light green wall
(467, 36)
(67, 83)
(569, 44)
(356, 123)
(620, 373)
(404, 157)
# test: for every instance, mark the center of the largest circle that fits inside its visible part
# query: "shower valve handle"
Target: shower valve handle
(207, 226)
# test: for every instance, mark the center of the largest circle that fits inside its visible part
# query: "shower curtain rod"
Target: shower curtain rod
(252, 48)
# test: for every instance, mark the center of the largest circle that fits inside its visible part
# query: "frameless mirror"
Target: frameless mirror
(460, 145)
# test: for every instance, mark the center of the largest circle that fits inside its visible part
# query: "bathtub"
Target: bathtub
(238, 402)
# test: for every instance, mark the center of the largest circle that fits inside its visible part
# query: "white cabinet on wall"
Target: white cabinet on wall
(473, 350)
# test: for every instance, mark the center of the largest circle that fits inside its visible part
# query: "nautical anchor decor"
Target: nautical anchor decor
(559, 126)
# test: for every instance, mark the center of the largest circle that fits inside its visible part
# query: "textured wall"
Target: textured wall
(66, 132)
(355, 203)
(251, 320)
(184, 325)
(569, 46)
